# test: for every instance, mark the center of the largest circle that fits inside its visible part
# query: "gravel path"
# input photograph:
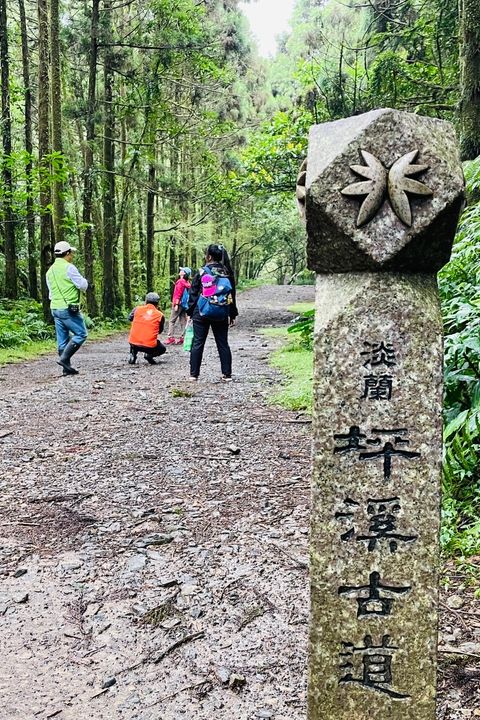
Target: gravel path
(154, 543)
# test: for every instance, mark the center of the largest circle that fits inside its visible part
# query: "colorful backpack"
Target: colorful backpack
(216, 294)
(184, 300)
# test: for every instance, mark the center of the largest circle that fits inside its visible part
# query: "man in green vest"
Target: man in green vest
(65, 284)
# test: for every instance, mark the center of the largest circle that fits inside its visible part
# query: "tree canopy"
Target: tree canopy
(140, 132)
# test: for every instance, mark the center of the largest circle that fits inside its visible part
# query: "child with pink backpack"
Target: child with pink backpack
(180, 300)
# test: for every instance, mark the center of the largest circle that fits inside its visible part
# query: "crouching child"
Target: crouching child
(147, 324)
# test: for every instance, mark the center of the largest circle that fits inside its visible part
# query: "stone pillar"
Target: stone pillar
(381, 194)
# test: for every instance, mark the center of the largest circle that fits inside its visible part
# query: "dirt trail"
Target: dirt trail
(149, 572)
(138, 552)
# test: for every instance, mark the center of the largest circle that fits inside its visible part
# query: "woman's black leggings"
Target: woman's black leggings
(201, 326)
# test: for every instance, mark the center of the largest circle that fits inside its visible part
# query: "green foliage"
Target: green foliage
(304, 327)
(21, 322)
(274, 153)
(459, 287)
(343, 59)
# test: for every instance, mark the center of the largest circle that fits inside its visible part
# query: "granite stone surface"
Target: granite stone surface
(383, 192)
(376, 497)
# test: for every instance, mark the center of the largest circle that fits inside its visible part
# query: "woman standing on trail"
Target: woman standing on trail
(212, 305)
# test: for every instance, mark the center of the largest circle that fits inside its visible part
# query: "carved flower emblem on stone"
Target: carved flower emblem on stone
(380, 182)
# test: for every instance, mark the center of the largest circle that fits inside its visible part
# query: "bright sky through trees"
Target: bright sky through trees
(268, 18)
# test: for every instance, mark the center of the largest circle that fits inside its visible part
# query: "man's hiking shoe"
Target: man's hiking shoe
(150, 359)
(179, 341)
(170, 341)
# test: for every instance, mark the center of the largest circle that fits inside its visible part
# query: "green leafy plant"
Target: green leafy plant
(303, 326)
(460, 290)
(21, 322)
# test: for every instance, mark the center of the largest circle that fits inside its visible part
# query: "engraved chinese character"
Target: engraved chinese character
(352, 438)
(378, 524)
(389, 449)
(378, 387)
(379, 354)
(375, 598)
(370, 666)
(352, 442)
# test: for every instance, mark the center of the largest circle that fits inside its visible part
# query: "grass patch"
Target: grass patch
(296, 363)
(178, 392)
(301, 307)
(28, 351)
(295, 360)
(249, 284)
(275, 332)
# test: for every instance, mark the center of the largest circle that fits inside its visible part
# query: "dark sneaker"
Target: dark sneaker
(150, 359)
(132, 359)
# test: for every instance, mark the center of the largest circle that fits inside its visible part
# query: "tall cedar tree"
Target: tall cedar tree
(470, 78)
(56, 120)
(150, 223)
(88, 173)
(44, 150)
(126, 224)
(9, 216)
(32, 259)
(109, 220)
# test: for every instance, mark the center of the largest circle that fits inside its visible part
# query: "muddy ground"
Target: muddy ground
(154, 540)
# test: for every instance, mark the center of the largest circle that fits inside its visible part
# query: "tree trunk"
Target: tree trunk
(127, 283)
(127, 280)
(88, 168)
(32, 260)
(58, 202)
(150, 224)
(173, 266)
(383, 14)
(109, 220)
(43, 150)
(470, 78)
(233, 255)
(6, 124)
(141, 239)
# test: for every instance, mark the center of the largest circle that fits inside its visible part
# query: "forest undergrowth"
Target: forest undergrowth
(24, 334)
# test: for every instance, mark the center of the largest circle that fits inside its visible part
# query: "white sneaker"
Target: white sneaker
(192, 378)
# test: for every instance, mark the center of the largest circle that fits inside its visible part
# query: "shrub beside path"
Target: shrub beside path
(154, 535)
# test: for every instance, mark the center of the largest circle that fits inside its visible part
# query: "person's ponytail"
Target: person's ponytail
(219, 254)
